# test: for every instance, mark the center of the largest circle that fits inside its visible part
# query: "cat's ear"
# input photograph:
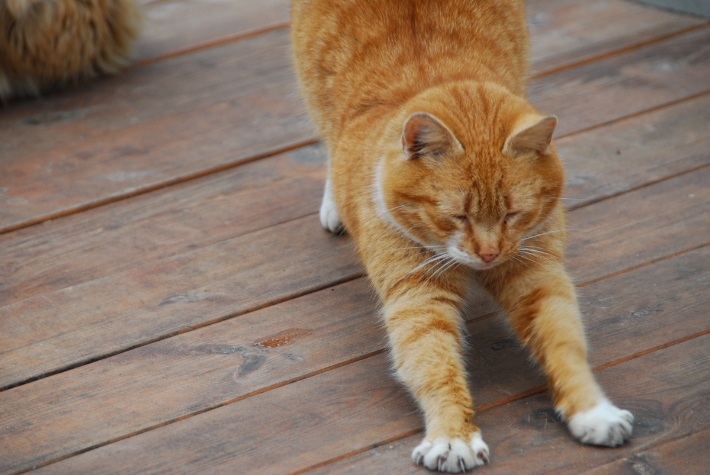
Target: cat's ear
(532, 133)
(424, 135)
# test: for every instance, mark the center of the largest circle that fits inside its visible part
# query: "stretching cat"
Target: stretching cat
(440, 171)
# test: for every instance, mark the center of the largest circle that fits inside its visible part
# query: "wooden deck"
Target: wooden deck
(170, 303)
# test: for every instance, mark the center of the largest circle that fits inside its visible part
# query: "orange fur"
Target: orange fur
(439, 169)
(51, 43)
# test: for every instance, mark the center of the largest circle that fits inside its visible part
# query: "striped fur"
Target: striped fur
(45, 44)
(440, 169)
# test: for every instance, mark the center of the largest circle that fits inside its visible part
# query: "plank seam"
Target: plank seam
(626, 49)
(189, 328)
(156, 187)
(635, 114)
(644, 185)
(213, 170)
(514, 398)
(204, 410)
(647, 448)
(210, 44)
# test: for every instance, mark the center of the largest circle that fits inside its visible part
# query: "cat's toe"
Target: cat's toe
(604, 424)
(451, 455)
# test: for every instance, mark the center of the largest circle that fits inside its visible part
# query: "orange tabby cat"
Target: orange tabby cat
(442, 172)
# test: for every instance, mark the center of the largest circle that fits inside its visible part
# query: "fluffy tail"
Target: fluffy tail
(46, 44)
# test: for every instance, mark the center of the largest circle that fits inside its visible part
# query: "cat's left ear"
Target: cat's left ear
(424, 135)
(532, 133)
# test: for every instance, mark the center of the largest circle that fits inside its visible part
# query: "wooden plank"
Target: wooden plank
(261, 116)
(287, 429)
(180, 25)
(631, 153)
(169, 296)
(143, 95)
(667, 391)
(217, 129)
(625, 84)
(562, 31)
(567, 31)
(688, 455)
(102, 242)
(248, 272)
(168, 222)
(638, 227)
(329, 328)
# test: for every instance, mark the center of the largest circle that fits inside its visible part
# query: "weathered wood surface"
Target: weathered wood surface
(210, 325)
(631, 153)
(688, 455)
(361, 403)
(667, 390)
(239, 357)
(178, 26)
(564, 32)
(170, 295)
(197, 113)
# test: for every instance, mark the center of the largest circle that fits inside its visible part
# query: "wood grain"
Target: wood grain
(567, 31)
(632, 153)
(78, 324)
(180, 25)
(665, 389)
(173, 119)
(688, 455)
(638, 227)
(178, 219)
(625, 84)
(562, 31)
(232, 277)
(102, 242)
(360, 404)
(329, 328)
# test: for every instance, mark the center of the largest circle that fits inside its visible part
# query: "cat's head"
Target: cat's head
(469, 170)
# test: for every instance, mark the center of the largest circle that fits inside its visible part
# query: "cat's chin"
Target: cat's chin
(481, 265)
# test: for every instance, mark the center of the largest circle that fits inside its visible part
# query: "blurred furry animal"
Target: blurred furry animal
(443, 173)
(45, 44)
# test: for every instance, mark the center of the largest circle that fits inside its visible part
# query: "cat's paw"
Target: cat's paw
(604, 424)
(329, 217)
(452, 455)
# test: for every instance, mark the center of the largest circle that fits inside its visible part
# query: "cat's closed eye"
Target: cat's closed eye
(509, 217)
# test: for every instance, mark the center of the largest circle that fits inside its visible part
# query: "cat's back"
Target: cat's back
(353, 55)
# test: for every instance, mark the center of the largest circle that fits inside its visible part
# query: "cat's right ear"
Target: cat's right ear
(424, 135)
(532, 133)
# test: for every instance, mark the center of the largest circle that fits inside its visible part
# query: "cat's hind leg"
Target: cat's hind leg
(544, 312)
(329, 217)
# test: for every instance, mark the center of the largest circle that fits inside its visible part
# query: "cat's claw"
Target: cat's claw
(329, 217)
(451, 455)
(604, 424)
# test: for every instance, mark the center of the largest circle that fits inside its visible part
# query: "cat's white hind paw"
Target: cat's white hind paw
(604, 424)
(329, 217)
(452, 455)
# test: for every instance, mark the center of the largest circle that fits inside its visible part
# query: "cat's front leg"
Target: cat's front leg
(423, 324)
(329, 217)
(543, 310)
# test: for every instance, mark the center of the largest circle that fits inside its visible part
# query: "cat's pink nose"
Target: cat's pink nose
(489, 254)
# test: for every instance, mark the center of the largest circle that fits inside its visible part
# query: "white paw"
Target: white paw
(452, 455)
(604, 424)
(329, 217)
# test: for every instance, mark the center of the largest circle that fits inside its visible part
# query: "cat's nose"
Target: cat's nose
(489, 254)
